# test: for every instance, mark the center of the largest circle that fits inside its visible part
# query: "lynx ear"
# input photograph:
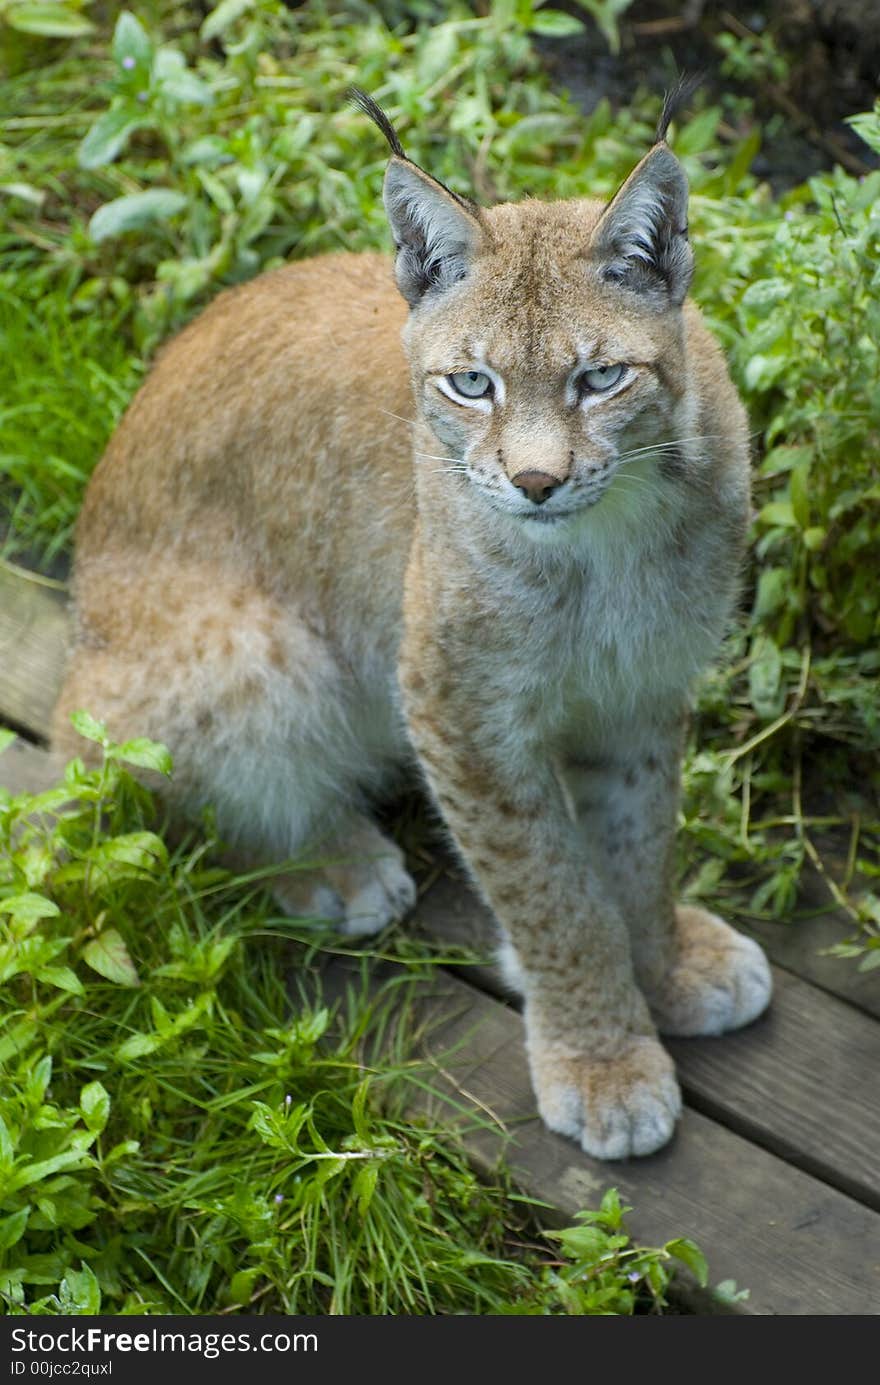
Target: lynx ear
(437, 233)
(641, 238)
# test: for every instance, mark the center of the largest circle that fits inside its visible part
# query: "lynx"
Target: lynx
(490, 525)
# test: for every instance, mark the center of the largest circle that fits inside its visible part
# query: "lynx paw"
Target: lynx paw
(721, 981)
(362, 896)
(383, 898)
(615, 1107)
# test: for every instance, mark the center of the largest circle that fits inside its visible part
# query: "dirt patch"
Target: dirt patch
(797, 68)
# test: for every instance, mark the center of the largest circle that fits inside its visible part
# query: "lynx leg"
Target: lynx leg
(699, 975)
(599, 1072)
(263, 726)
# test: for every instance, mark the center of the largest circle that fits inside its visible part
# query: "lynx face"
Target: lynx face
(534, 367)
(546, 341)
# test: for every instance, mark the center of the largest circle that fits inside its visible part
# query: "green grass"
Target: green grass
(65, 377)
(188, 1125)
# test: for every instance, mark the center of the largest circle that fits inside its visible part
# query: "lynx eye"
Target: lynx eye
(600, 377)
(472, 384)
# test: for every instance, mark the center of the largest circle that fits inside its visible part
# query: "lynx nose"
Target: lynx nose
(537, 485)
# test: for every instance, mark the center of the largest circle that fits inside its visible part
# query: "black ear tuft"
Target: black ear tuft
(369, 107)
(674, 99)
(436, 232)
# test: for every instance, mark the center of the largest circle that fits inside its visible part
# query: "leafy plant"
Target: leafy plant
(47, 18)
(607, 14)
(178, 1135)
(605, 1273)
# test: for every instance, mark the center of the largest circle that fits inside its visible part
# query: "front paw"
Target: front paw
(721, 980)
(615, 1107)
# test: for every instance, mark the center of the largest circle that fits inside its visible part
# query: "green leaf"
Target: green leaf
(582, 1243)
(358, 1111)
(131, 40)
(108, 956)
(764, 294)
(364, 1186)
(12, 1228)
(605, 13)
(39, 1080)
(138, 1046)
(555, 24)
(785, 458)
(161, 1018)
(6, 738)
(241, 1286)
(268, 1126)
(778, 512)
(798, 489)
(867, 126)
(145, 753)
(109, 135)
(765, 675)
(761, 370)
(175, 81)
(727, 1292)
(210, 149)
(26, 191)
(135, 211)
(144, 851)
(699, 133)
(80, 1292)
(50, 21)
(222, 16)
(814, 537)
(89, 728)
(44, 1269)
(29, 908)
(437, 53)
(774, 587)
(35, 1173)
(7, 1148)
(691, 1255)
(612, 1210)
(216, 190)
(63, 978)
(94, 1102)
(121, 1151)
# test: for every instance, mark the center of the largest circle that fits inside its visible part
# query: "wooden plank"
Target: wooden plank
(26, 769)
(33, 634)
(799, 1246)
(797, 945)
(801, 1081)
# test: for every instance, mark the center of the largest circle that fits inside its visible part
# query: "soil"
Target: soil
(831, 50)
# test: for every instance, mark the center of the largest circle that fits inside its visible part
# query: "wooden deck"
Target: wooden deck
(774, 1170)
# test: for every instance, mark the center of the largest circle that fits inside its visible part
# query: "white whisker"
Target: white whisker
(410, 421)
(667, 446)
(436, 457)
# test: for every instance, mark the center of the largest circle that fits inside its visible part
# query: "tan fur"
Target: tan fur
(302, 565)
